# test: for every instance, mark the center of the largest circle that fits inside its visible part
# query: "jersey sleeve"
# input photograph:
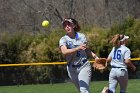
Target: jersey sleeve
(62, 41)
(111, 53)
(84, 40)
(127, 54)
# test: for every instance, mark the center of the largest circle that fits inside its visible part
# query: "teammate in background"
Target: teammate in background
(74, 48)
(119, 59)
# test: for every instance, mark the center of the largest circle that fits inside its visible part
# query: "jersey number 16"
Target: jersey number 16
(117, 54)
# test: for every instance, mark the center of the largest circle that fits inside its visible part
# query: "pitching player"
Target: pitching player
(120, 59)
(73, 47)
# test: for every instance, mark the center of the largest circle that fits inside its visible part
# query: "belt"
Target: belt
(116, 67)
(79, 65)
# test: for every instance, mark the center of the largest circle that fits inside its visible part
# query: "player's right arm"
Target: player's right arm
(130, 64)
(128, 61)
(65, 51)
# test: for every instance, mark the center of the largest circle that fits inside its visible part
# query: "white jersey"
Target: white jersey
(118, 56)
(78, 57)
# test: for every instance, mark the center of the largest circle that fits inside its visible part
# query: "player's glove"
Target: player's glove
(100, 64)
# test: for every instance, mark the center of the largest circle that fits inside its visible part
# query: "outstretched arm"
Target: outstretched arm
(91, 54)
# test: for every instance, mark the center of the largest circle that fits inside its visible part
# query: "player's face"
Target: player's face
(68, 27)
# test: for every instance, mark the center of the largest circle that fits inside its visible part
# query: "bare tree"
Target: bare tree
(27, 15)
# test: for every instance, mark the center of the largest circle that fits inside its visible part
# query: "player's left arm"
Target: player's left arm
(88, 51)
(108, 59)
(91, 54)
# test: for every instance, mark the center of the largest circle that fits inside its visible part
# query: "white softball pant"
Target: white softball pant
(80, 76)
(118, 75)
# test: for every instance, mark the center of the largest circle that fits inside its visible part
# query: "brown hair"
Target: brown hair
(76, 28)
(116, 40)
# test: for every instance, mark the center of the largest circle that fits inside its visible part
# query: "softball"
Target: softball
(45, 23)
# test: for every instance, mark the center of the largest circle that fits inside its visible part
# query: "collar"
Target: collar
(76, 36)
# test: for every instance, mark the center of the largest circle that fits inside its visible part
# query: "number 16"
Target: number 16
(117, 54)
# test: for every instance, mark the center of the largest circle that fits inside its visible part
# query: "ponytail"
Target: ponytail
(116, 40)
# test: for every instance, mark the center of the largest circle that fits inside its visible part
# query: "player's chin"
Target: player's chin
(69, 31)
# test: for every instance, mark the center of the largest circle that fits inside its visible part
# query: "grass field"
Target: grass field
(96, 87)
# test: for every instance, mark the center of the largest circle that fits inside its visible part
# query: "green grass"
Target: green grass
(96, 87)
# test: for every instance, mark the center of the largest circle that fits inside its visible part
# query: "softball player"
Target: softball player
(73, 47)
(120, 59)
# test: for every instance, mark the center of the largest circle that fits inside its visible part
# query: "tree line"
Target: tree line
(27, 47)
(27, 15)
